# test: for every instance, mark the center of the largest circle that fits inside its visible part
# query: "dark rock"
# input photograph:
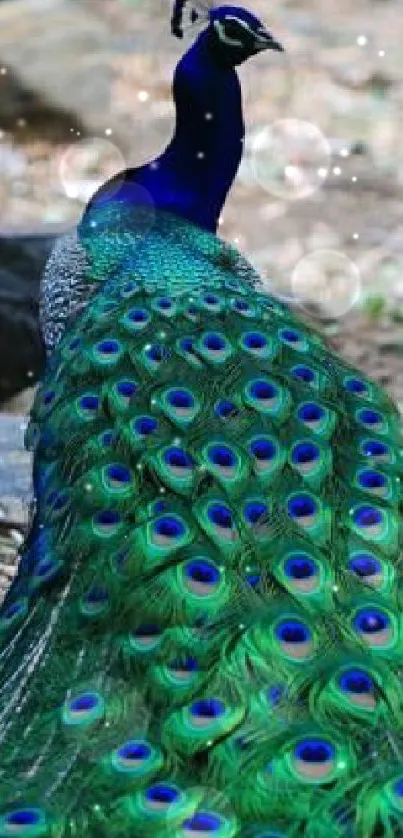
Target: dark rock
(22, 259)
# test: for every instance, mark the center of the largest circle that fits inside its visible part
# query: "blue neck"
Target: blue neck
(195, 172)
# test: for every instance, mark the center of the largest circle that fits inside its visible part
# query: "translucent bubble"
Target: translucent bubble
(328, 282)
(86, 165)
(290, 158)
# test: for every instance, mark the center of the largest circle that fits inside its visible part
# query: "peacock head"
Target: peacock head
(238, 34)
(234, 33)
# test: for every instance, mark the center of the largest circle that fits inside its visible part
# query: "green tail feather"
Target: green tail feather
(206, 636)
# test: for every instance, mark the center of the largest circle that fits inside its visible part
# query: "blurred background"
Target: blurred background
(85, 90)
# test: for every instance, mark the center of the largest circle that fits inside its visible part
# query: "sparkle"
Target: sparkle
(355, 236)
(337, 170)
(88, 487)
(3, 71)
(344, 152)
(208, 115)
(362, 40)
(143, 95)
(354, 178)
(30, 374)
(21, 123)
(221, 219)
(236, 240)
(108, 132)
(381, 53)
(200, 155)
(335, 588)
(322, 172)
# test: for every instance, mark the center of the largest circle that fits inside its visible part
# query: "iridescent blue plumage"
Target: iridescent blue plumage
(195, 172)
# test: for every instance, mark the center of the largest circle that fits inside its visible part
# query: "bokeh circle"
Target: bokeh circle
(328, 282)
(86, 164)
(290, 158)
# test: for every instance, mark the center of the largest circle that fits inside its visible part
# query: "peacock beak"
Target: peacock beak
(264, 40)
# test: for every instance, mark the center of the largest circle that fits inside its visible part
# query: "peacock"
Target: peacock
(205, 635)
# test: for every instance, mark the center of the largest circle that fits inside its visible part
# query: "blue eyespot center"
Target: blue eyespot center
(214, 342)
(254, 340)
(256, 512)
(289, 335)
(220, 515)
(367, 516)
(119, 473)
(209, 708)
(181, 399)
(355, 385)
(301, 506)
(371, 621)
(87, 701)
(300, 567)
(162, 793)
(89, 402)
(293, 631)
(203, 822)
(225, 408)
(138, 315)
(263, 449)
(305, 452)
(370, 417)
(178, 458)
(145, 425)
(372, 480)
(375, 448)
(315, 751)
(126, 388)
(221, 455)
(157, 353)
(134, 751)
(169, 527)
(24, 817)
(108, 347)
(202, 571)
(356, 681)
(263, 390)
(364, 564)
(303, 373)
(311, 412)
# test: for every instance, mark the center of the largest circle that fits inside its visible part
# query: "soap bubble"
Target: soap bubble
(86, 165)
(326, 280)
(290, 158)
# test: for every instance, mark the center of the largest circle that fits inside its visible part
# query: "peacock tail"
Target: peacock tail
(205, 637)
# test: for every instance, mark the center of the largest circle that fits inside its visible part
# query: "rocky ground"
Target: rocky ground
(85, 87)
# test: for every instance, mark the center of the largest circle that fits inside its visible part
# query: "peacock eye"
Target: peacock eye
(358, 687)
(232, 28)
(161, 796)
(314, 759)
(204, 823)
(375, 627)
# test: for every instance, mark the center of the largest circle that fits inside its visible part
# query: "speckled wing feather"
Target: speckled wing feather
(64, 290)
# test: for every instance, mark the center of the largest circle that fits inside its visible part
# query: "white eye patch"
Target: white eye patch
(226, 39)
